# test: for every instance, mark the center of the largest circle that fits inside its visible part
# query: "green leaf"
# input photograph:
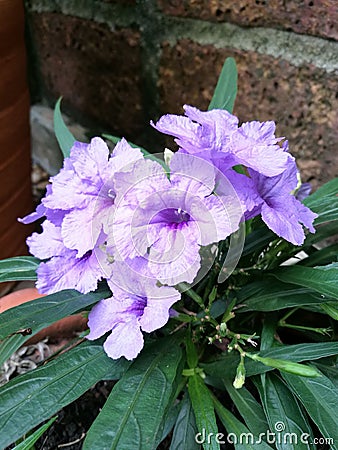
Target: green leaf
(169, 421)
(324, 202)
(226, 89)
(132, 416)
(248, 407)
(33, 397)
(185, 428)
(9, 345)
(330, 309)
(323, 256)
(238, 433)
(19, 268)
(267, 295)
(203, 407)
(284, 415)
(43, 311)
(320, 399)
(257, 240)
(63, 135)
(148, 155)
(29, 442)
(225, 366)
(323, 279)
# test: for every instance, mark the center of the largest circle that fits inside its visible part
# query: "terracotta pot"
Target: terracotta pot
(15, 164)
(64, 328)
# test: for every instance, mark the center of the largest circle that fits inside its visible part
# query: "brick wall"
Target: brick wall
(119, 64)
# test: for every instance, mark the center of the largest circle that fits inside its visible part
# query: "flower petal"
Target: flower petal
(126, 340)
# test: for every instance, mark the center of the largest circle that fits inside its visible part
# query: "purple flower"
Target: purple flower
(77, 204)
(137, 305)
(272, 198)
(167, 221)
(65, 270)
(253, 144)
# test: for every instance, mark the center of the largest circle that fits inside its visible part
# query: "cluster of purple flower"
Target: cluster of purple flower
(122, 218)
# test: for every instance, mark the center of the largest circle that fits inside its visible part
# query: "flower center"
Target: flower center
(171, 216)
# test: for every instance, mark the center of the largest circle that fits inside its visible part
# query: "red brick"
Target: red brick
(301, 100)
(95, 69)
(317, 17)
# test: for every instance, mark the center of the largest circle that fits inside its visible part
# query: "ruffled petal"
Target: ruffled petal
(282, 218)
(175, 258)
(69, 272)
(126, 340)
(159, 302)
(81, 228)
(48, 243)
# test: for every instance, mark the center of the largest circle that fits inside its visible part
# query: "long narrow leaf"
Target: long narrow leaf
(19, 268)
(30, 398)
(320, 399)
(226, 88)
(238, 433)
(29, 442)
(63, 135)
(323, 279)
(324, 202)
(203, 408)
(132, 416)
(248, 407)
(41, 312)
(185, 429)
(284, 415)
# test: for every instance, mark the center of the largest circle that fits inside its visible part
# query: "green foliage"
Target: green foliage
(62, 133)
(132, 415)
(226, 88)
(35, 396)
(19, 268)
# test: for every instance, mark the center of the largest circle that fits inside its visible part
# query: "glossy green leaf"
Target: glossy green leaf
(323, 256)
(320, 399)
(226, 89)
(324, 202)
(29, 442)
(238, 433)
(330, 372)
(19, 268)
(185, 429)
(257, 240)
(132, 416)
(63, 135)
(33, 397)
(145, 152)
(271, 295)
(44, 311)
(248, 407)
(330, 309)
(225, 366)
(283, 413)
(203, 408)
(9, 345)
(323, 279)
(169, 421)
